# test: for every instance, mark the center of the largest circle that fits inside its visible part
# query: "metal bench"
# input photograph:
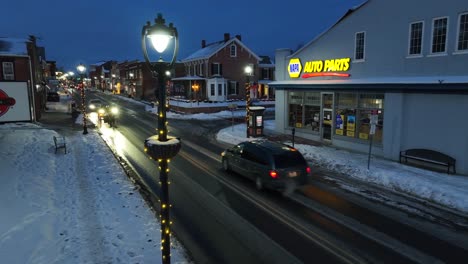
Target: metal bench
(60, 142)
(429, 156)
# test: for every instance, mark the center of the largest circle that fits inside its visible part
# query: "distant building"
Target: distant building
(216, 72)
(408, 74)
(21, 60)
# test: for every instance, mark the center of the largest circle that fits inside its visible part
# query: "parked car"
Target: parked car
(95, 104)
(270, 164)
(53, 97)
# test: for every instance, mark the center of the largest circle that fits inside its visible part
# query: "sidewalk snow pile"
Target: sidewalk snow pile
(77, 207)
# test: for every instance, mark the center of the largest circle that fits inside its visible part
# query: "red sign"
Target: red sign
(5, 102)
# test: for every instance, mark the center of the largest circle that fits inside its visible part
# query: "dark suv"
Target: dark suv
(269, 164)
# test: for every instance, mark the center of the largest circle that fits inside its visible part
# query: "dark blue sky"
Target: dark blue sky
(89, 31)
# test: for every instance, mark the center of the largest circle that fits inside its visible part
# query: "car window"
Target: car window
(254, 154)
(289, 159)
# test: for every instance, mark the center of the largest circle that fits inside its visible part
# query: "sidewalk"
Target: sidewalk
(78, 207)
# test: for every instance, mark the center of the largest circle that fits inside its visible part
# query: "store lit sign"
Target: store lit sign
(319, 68)
(294, 68)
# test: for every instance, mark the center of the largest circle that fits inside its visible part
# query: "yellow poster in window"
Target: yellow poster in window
(363, 136)
(350, 133)
(351, 123)
(339, 132)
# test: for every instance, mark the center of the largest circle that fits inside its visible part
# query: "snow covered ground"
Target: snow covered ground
(77, 207)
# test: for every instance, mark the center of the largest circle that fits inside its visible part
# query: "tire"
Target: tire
(259, 183)
(226, 165)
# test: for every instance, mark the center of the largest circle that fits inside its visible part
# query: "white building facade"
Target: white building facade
(398, 67)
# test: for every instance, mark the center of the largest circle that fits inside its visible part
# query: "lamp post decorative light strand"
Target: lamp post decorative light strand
(248, 72)
(81, 69)
(161, 147)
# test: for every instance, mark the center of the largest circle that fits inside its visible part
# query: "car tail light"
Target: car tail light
(308, 170)
(273, 174)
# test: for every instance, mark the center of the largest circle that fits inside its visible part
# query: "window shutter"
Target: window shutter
(212, 69)
(220, 69)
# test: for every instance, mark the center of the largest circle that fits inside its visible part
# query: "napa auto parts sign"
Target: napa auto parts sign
(14, 102)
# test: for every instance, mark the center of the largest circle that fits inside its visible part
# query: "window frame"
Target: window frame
(218, 67)
(233, 50)
(440, 53)
(8, 76)
(457, 39)
(410, 39)
(363, 46)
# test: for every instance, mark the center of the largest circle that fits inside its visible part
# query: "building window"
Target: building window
(233, 88)
(233, 50)
(359, 46)
(265, 74)
(212, 89)
(462, 39)
(439, 35)
(415, 38)
(296, 104)
(8, 71)
(312, 111)
(216, 69)
(353, 112)
(220, 89)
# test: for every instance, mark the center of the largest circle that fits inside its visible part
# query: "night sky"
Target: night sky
(89, 31)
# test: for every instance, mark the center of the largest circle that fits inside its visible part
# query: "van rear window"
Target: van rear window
(289, 159)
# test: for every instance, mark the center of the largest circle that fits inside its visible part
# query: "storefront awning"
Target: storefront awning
(434, 83)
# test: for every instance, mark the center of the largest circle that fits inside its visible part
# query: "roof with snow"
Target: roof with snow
(13, 46)
(211, 49)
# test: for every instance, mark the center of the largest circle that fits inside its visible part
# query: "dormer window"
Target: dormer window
(233, 50)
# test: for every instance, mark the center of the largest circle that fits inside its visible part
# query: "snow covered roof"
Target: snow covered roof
(349, 12)
(210, 49)
(13, 46)
(188, 78)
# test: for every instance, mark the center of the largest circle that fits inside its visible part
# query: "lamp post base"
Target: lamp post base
(85, 130)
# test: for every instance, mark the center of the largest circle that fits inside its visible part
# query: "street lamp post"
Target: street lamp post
(161, 147)
(81, 69)
(248, 72)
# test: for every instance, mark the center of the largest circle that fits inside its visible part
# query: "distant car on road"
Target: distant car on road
(270, 164)
(95, 104)
(53, 97)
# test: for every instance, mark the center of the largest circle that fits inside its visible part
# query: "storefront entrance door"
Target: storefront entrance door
(327, 116)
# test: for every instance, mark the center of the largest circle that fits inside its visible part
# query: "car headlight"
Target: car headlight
(101, 111)
(91, 106)
(114, 110)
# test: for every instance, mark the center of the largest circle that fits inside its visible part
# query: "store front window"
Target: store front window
(353, 112)
(296, 105)
(304, 110)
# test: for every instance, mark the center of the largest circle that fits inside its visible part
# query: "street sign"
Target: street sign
(372, 129)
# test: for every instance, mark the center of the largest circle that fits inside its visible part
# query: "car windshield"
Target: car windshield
(95, 101)
(289, 159)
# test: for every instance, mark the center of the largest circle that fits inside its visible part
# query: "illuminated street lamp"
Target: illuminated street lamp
(161, 147)
(81, 69)
(248, 72)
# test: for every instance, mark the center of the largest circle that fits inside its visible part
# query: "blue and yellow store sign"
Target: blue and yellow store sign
(319, 68)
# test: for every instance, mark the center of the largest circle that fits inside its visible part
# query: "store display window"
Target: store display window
(353, 112)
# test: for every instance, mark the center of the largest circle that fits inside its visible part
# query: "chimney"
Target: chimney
(226, 37)
(203, 44)
(239, 37)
